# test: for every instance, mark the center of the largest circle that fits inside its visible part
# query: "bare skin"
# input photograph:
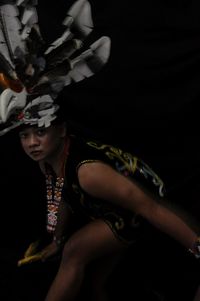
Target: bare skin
(197, 297)
(95, 242)
(90, 243)
(100, 180)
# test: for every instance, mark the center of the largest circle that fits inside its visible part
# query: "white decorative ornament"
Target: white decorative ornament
(28, 70)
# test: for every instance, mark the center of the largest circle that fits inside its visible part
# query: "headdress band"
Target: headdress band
(33, 76)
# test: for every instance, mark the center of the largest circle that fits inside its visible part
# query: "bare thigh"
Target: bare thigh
(94, 240)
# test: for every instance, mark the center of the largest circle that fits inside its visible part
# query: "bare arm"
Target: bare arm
(100, 180)
(64, 219)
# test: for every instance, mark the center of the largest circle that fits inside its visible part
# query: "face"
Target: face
(42, 143)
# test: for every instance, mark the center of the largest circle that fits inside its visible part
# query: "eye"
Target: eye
(41, 132)
(22, 135)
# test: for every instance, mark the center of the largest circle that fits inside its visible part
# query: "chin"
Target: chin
(37, 158)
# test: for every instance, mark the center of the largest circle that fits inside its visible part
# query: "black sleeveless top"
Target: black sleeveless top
(123, 223)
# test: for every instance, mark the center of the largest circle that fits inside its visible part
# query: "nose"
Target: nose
(32, 140)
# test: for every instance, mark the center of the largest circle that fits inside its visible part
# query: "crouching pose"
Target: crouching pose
(98, 196)
(107, 188)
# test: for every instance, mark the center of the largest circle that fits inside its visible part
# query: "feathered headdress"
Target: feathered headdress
(30, 71)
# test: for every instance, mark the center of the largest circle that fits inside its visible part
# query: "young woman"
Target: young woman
(110, 193)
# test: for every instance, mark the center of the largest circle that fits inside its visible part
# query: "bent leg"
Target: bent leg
(197, 296)
(100, 274)
(92, 242)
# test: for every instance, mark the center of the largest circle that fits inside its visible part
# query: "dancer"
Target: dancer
(114, 194)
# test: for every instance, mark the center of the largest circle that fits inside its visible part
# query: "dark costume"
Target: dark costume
(123, 223)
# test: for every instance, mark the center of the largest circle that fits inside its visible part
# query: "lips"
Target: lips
(35, 153)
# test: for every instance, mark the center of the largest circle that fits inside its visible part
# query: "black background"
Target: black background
(145, 99)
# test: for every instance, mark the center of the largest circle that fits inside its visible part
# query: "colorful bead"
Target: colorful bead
(54, 195)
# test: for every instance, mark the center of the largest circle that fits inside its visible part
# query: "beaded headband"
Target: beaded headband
(32, 75)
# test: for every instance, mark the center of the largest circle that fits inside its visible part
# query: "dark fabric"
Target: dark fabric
(146, 98)
(124, 224)
(29, 282)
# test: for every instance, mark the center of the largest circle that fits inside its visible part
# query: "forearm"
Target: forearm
(63, 221)
(172, 224)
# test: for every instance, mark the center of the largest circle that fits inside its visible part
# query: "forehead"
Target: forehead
(29, 129)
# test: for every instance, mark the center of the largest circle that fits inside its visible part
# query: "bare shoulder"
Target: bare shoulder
(90, 172)
(100, 179)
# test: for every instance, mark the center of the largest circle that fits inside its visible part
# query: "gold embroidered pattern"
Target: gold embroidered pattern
(126, 163)
(129, 161)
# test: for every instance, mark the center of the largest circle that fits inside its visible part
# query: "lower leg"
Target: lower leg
(67, 283)
(101, 276)
(92, 242)
(102, 295)
(197, 296)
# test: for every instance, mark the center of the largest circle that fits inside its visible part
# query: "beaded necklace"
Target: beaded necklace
(54, 187)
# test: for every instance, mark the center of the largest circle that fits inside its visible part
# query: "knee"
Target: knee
(72, 254)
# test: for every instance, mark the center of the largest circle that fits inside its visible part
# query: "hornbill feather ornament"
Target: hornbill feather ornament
(32, 73)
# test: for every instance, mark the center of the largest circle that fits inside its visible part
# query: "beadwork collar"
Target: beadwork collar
(54, 187)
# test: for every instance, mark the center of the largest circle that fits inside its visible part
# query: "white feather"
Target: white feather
(26, 2)
(102, 48)
(10, 101)
(4, 49)
(53, 69)
(29, 19)
(20, 2)
(29, 16)
(65, 36)
(5, 99)
(79, 16)
(11, 27)
(80, 72)
(81, 68)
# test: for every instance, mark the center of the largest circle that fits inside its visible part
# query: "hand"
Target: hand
(29, 259)
(49, 251)
(33, 254)
(32, 249)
